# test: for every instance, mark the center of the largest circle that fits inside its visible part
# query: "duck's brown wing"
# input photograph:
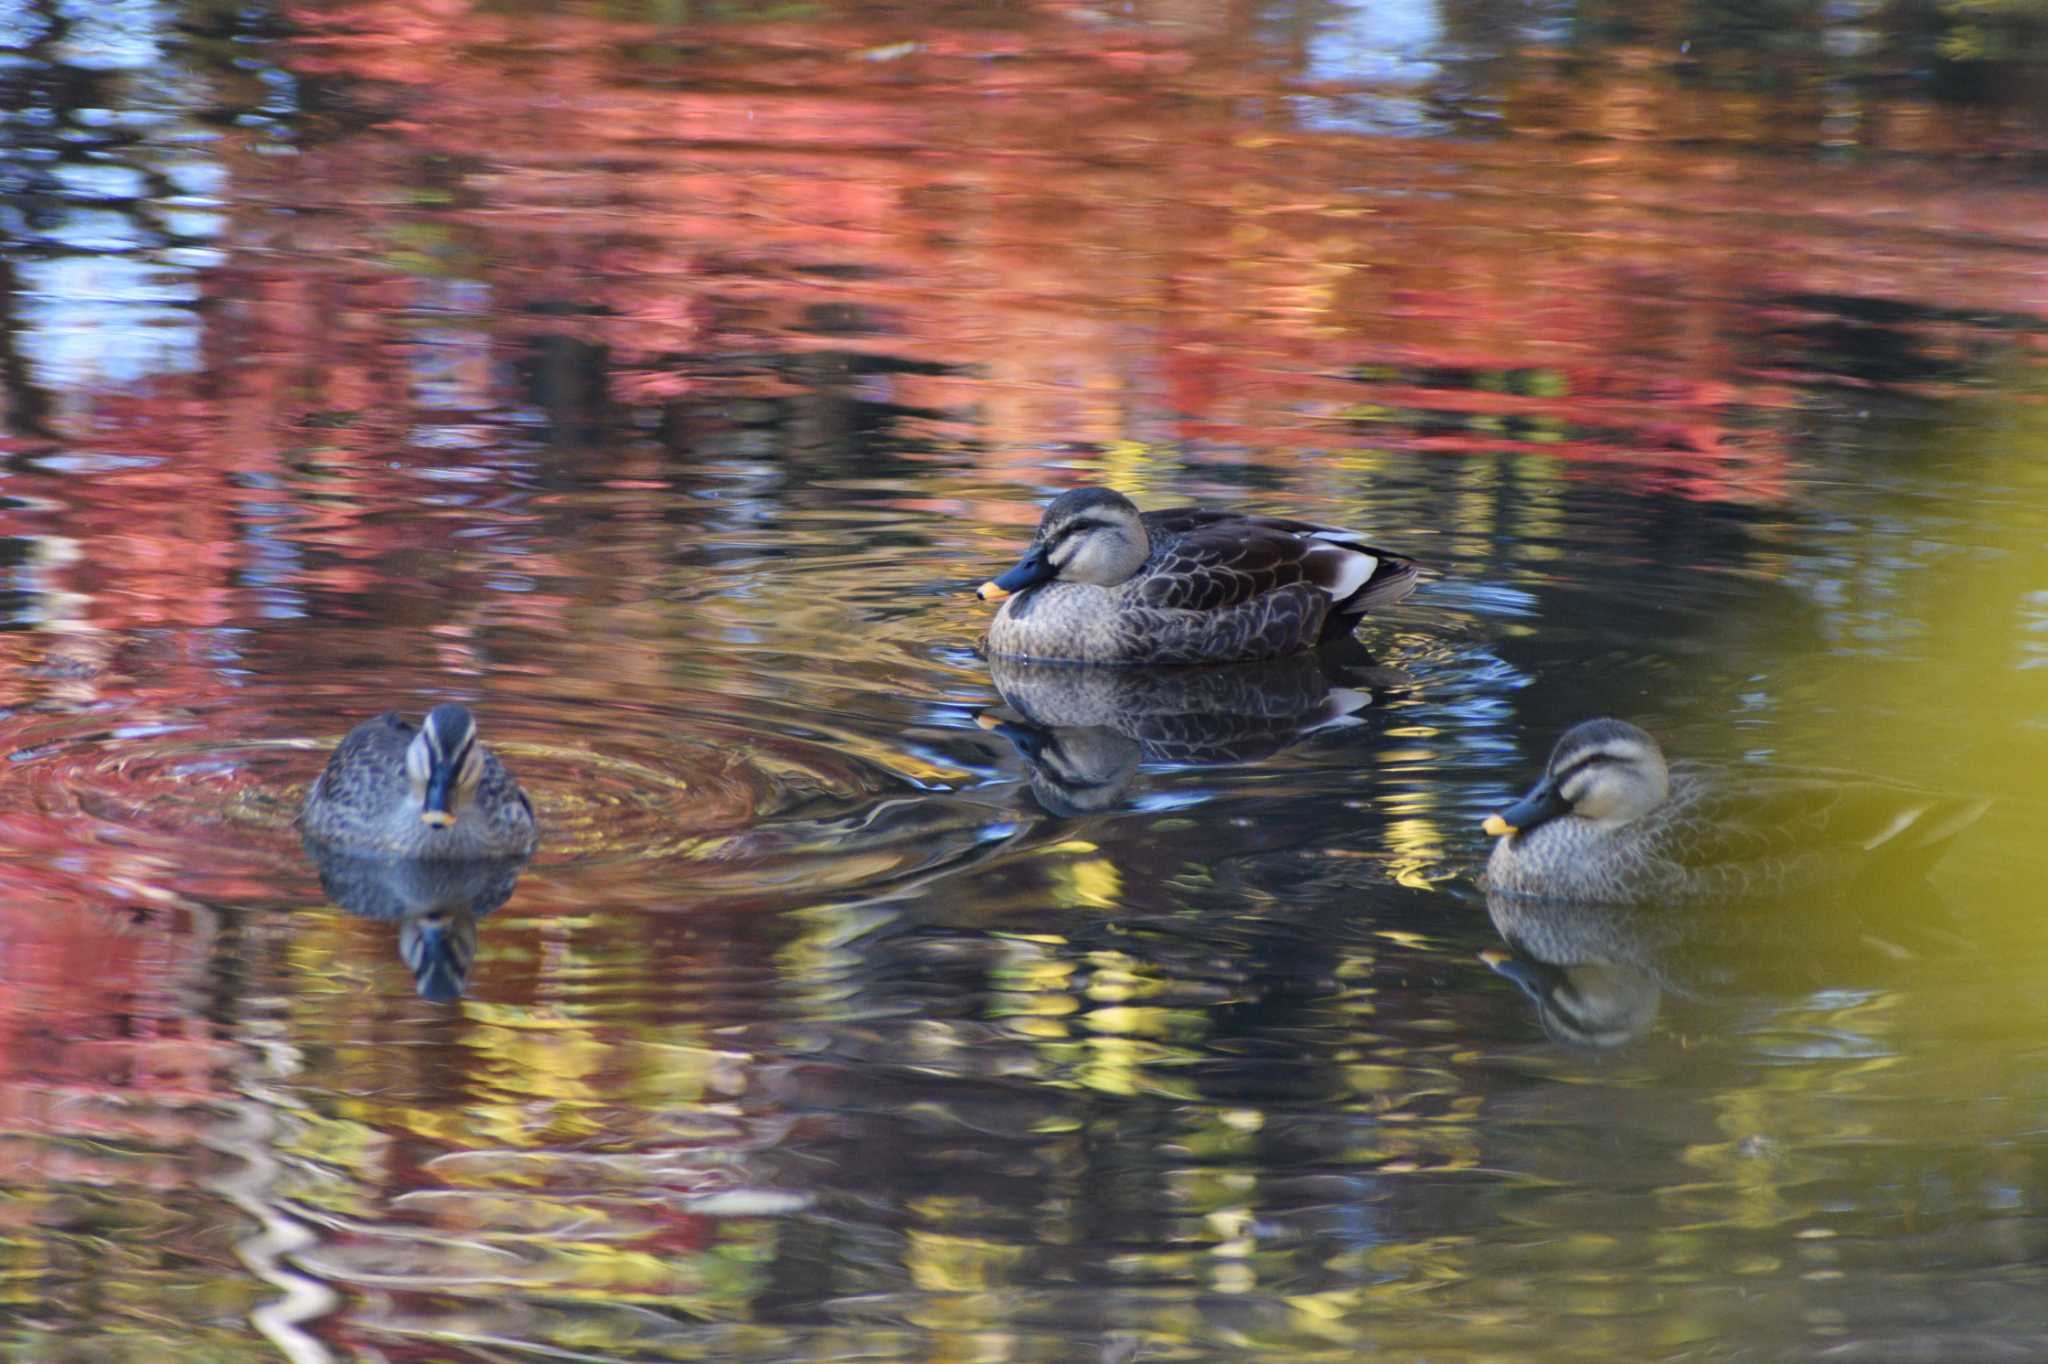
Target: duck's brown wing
(1215, 567)
(1213, 560)
(375, 746)
(499, 792)
(1838, 825)
(1181, 520)
(362, 772)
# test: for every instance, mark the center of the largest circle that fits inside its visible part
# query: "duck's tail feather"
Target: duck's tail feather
(1920, 832)
(1369, 579)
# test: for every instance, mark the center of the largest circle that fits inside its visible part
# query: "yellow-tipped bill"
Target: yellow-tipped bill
(1493, 956)
(437, 819)
(987, 721)
(988, 591)
(1498, 827)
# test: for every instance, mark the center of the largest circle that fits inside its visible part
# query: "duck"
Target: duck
(1596, 973)
(1104, 583)
(433, 792)
(1611, 822)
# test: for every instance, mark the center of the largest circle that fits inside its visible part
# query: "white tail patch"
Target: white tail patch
(1340, 707)
(1338, 571)
(1348, 699)
(1902, 821)
(1331, 535)
(1889, 948)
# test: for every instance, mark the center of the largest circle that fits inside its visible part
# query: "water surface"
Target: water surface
(658, 379)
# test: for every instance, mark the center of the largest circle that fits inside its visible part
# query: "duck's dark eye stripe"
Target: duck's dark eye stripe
(1076, 527)
(1590, 760)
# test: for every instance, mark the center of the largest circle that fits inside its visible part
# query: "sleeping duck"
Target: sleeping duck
(1105, 583)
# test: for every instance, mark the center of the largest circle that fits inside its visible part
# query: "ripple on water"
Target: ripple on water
(615, 808)
(201, 785)
(90, 779)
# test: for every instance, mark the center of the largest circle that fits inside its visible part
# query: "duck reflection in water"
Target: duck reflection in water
(1598, 974)
(1619, 878)
(435, 903)
(1085, 731)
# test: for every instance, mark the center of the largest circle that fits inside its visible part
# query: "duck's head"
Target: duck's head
(1607, 771)
(1592, 1004)
(440, 947)
(1075, 769)
(445, 762)
(1089, 535)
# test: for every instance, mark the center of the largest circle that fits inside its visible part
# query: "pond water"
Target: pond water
(659, 379)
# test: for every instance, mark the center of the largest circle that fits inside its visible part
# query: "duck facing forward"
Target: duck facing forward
(1611, 823)
(431, 792)
(1106, 583)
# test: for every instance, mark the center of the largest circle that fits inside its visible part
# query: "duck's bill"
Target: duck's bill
(438, 810)
(1534, 977)
(1542, 804)
(1031, 570)
(1028, 740)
